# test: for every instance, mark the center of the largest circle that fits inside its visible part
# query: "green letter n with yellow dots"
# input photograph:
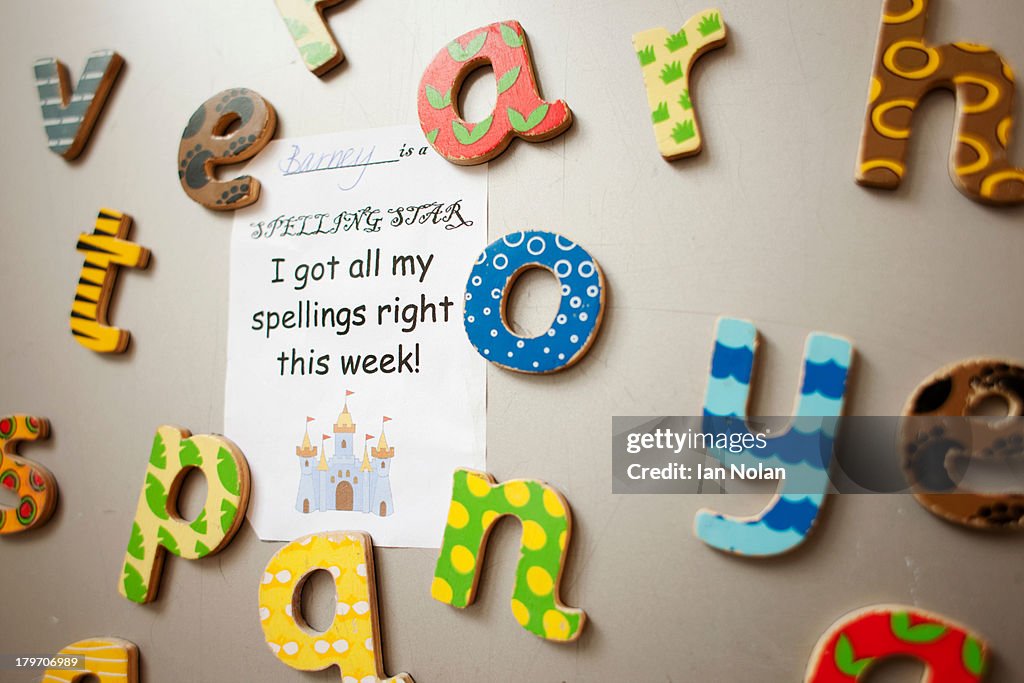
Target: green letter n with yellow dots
(477, 503)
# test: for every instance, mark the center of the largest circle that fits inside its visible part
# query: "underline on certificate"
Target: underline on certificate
(340, 168)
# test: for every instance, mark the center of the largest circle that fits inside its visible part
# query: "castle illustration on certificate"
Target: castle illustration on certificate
(345, 481)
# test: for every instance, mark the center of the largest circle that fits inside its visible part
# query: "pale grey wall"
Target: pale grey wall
(766, 224)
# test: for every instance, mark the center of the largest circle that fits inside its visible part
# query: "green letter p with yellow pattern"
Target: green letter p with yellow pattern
(159, 527)
(477, 503)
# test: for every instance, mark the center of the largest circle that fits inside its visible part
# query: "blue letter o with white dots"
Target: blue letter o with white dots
(579, 312)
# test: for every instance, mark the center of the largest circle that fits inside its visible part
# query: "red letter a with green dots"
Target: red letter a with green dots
(477, 503)
(519, 111)
(32, 483)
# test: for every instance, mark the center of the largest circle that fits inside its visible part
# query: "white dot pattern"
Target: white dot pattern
(579, 312)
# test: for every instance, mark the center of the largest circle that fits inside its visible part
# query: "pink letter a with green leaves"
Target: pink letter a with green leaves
(518, 112)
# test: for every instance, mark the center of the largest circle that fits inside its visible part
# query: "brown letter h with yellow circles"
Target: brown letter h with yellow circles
(906, 69)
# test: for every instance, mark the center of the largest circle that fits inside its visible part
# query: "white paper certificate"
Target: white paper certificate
(351, 387)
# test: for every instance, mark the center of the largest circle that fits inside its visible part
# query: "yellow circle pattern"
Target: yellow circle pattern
(934, 59)
(534, 537)
(980, 149)
(520, 612)
(539, 581)
(553, 504)
(878, 118)
(517, 493)
(488, 518)
(477, 485)
(992, 93)
(458, 515)
(894, 166)
(989, 185)
(976, 48)
(876, 89)
(556, 626)
(441, 591)
(1003, 132)
(462, 559)
(916, 7)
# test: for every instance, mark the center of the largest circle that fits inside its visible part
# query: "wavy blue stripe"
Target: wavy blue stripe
(735, 333)
(822, 348)
(787, 514)
(726, 396)
(792, 447)
(743, 538)
(818, 405)
(815, 498)
(827, 379)
(810, 424)
(729, 362)
(809, 467)
(805, 424)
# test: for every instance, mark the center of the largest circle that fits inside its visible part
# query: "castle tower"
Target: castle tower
(381, 502)
(342, 467)
(344, 430)
(321, 478)
(307, 499)
(366, 481)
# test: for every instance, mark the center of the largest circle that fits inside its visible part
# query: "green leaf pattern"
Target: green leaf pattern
(464, 54)
(189, 454)
(158, 456)
(227, 471)
(313, 39)
(132, 585)
(135, 543)
(508, 79)
(467, 137)
(198, 525)
(167, 540)
(154, 527)
(525, 125)
(921, 633)
(511, 36)
(846, 659)
(156, 496)
(436, 99)
(228, 513)
(973, 656)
